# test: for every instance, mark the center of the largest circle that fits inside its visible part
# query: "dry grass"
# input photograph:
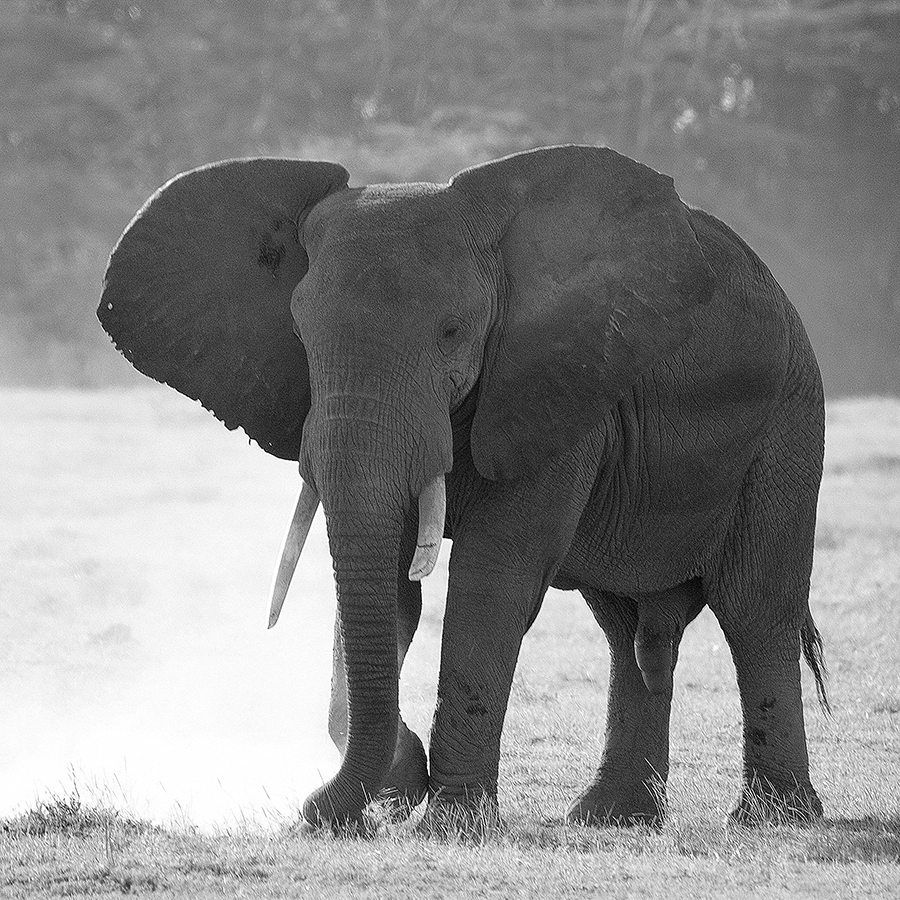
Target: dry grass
(689, 857)
(136, 531)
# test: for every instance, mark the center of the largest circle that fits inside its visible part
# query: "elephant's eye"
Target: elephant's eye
(451, 334)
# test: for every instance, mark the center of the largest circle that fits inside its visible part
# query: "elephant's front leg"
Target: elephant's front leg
(488, 612)
(407, 781)
(509, 538)
(630, 784)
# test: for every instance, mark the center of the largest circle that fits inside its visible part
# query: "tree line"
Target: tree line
(782, 117)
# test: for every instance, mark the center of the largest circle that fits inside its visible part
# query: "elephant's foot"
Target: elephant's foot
(406, 784)
(328, 809)
(604, 803)
(362, 826)
(472, 818)
(763, 803)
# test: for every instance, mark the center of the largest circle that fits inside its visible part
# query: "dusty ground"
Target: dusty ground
(137, 539)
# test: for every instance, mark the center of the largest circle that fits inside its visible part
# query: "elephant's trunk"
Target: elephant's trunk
(369, 463)
(364, 535)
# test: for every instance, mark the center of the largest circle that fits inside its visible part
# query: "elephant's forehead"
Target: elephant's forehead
(390, 223)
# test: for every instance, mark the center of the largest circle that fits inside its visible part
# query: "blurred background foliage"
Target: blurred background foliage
(780, 116)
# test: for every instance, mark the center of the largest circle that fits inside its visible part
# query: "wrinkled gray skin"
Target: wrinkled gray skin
(621, 397)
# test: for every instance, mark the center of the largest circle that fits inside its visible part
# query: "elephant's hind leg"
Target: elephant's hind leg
(407, 781)
(760, 595)
(643, 634)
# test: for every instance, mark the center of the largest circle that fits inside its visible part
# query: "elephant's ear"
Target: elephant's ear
(198, 291)
(602, 272)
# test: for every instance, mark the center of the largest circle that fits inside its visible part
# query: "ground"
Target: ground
(138, 682)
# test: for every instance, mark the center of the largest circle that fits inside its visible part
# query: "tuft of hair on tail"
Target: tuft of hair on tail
(814, 654)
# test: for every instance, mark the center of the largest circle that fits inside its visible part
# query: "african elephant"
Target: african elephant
(554, 362)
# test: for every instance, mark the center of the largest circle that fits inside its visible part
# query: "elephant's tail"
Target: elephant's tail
(814, 654)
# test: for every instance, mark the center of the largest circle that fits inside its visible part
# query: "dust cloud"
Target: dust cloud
(135, 662)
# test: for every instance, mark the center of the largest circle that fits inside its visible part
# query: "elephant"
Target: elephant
(557, 364)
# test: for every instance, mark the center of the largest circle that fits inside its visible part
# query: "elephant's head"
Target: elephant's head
(343, 327)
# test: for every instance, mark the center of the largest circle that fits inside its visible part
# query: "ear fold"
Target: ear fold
(602, 272)
(198, 291)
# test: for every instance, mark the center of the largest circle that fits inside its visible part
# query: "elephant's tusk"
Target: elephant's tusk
(307, 504)
(432, 509)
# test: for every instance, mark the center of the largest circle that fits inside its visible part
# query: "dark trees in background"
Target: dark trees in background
(781, 117)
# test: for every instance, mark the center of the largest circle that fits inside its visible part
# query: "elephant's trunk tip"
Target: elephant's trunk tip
(432, 512)
(294, 539)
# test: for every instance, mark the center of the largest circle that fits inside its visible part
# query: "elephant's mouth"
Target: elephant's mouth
(432, 510)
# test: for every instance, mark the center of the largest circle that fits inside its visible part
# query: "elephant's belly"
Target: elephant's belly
(661, 556)
(676, 456)
(633, 542)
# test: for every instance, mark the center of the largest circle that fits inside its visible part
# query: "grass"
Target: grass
(691, 856)
(136, 535)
